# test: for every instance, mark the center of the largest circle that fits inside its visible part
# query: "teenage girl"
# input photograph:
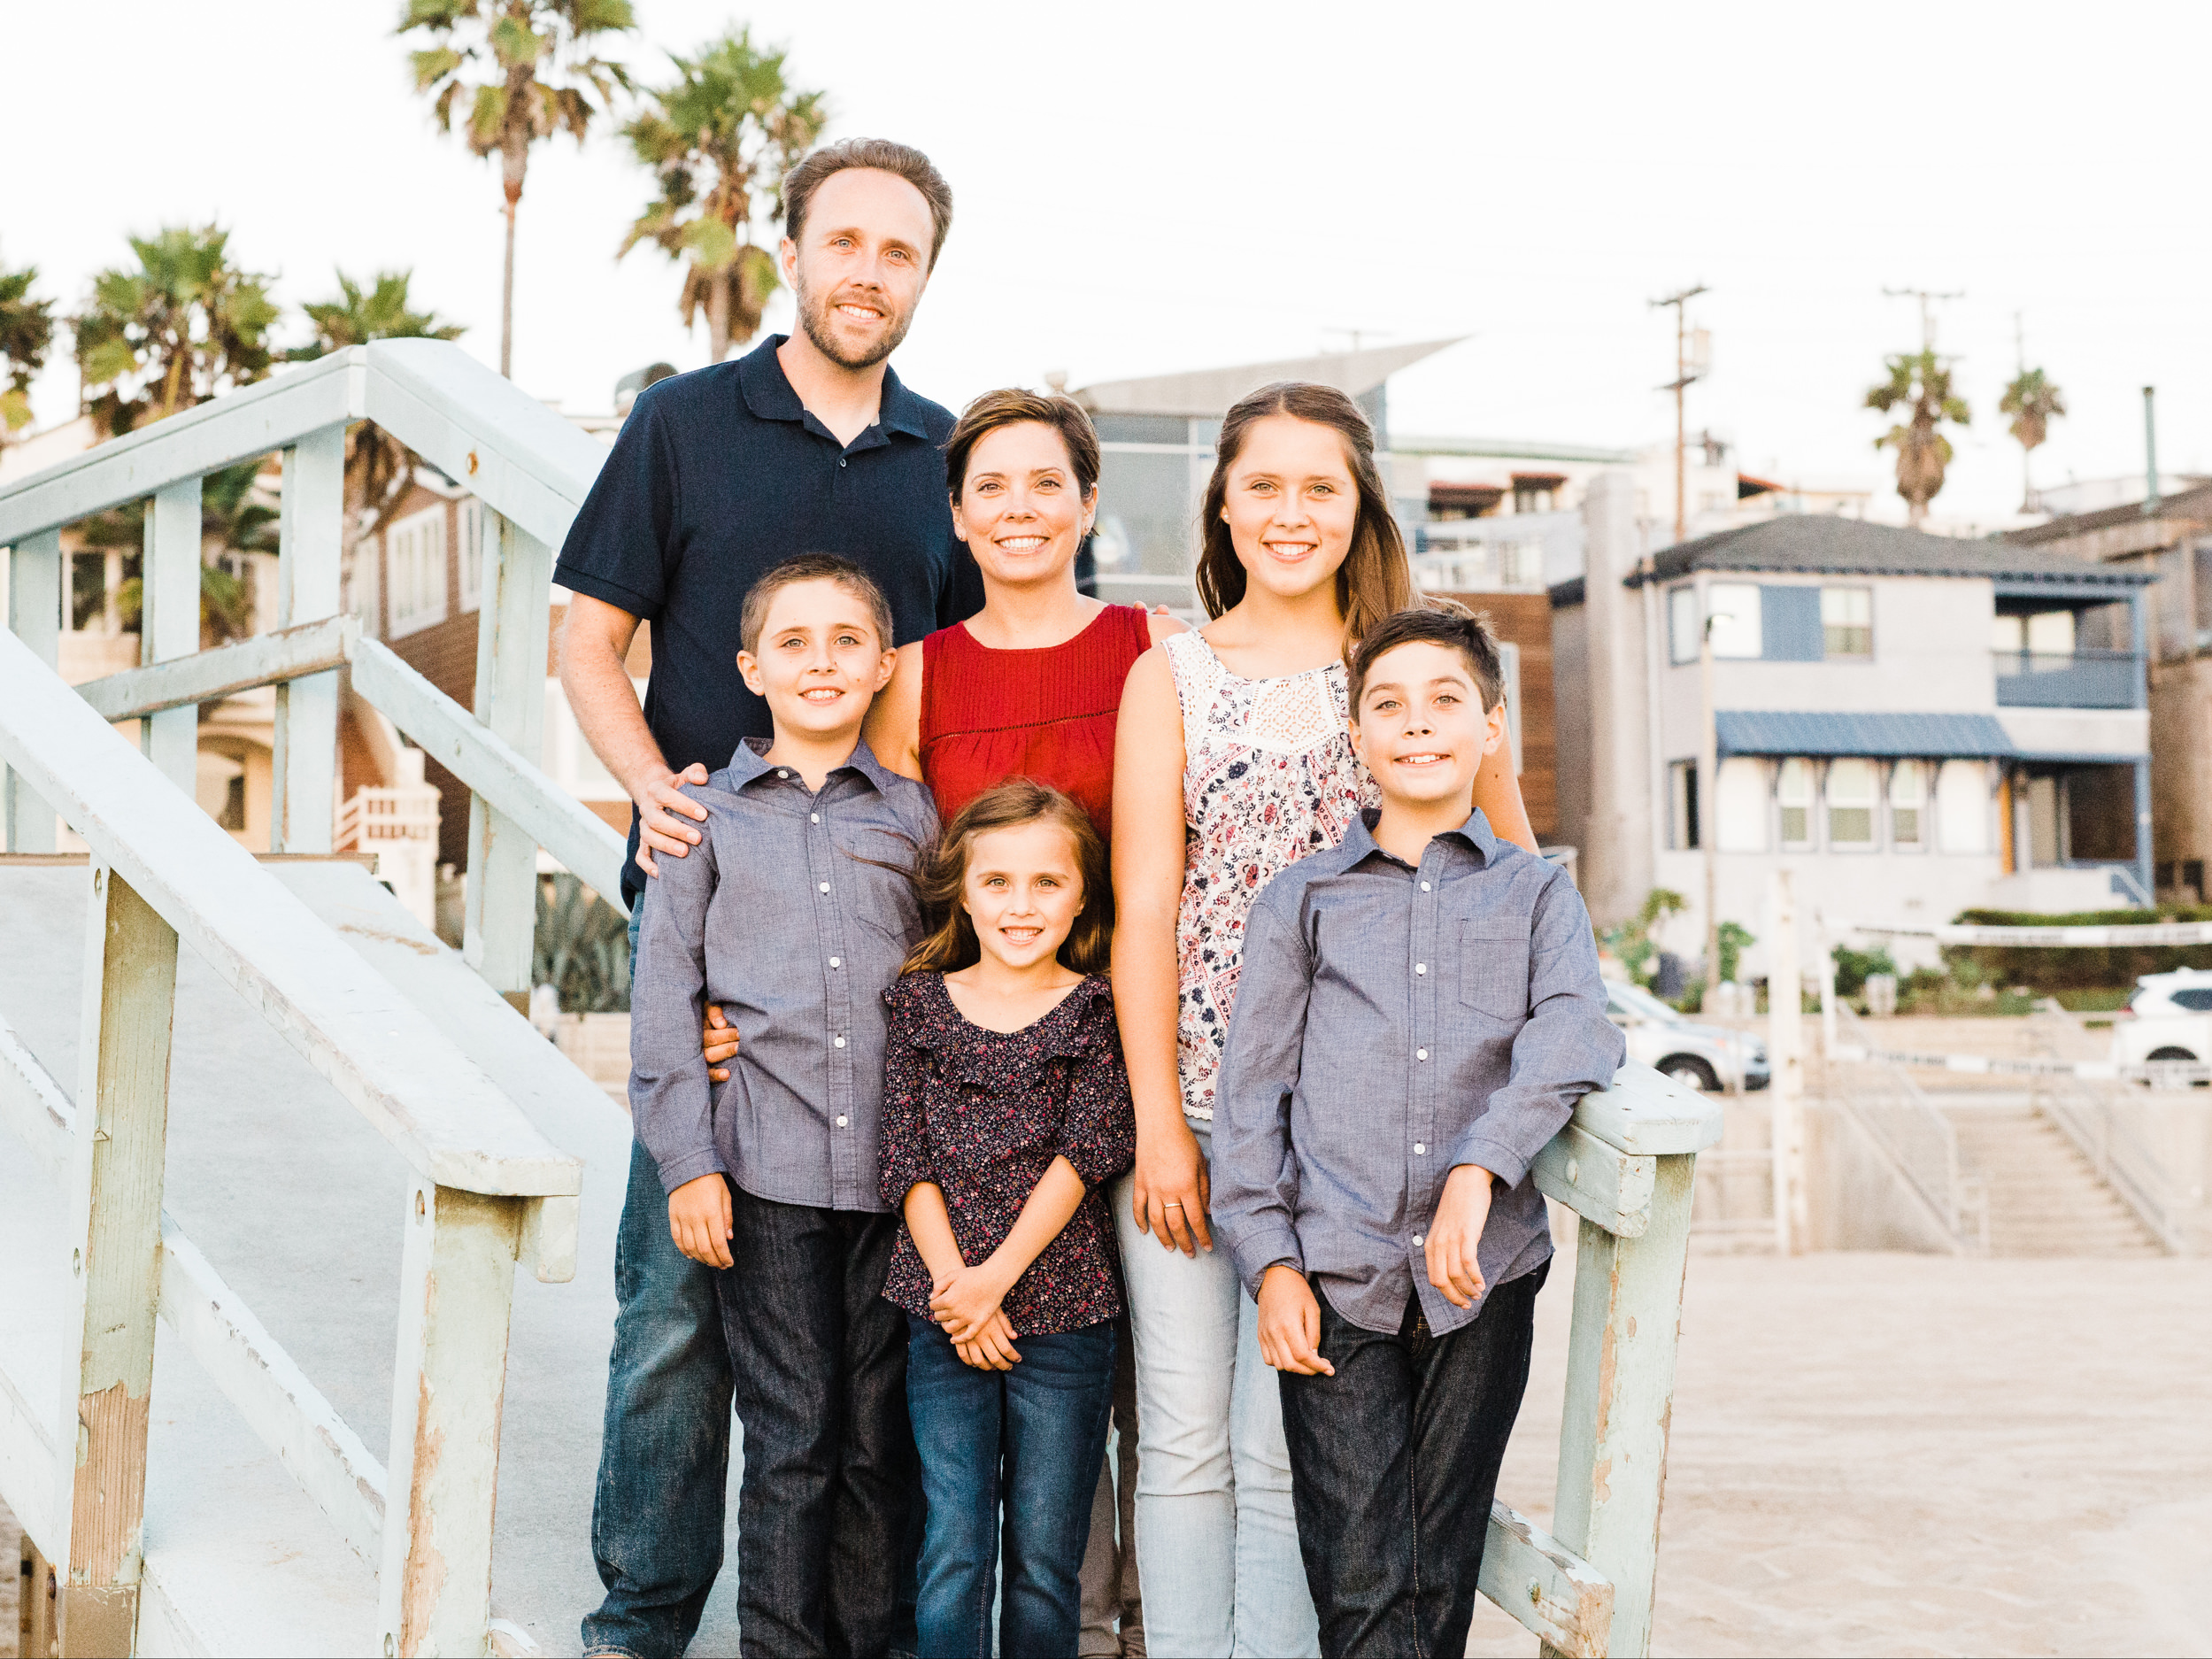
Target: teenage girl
(1233, 761)
(1006, 1107)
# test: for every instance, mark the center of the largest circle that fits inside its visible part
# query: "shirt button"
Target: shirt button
(813, 817)
(1420, 1148)
(835, 963)
(840, 460)
(1424, 887)
(841, 1120)
(1421, 967)
(780, 772)
(825, 887)
(837, 1042)
(1417, 1237)
(1421, 1053)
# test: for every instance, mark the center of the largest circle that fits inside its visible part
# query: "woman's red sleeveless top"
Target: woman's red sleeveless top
(989, 716)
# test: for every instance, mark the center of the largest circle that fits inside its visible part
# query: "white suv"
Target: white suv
(2170, 1017)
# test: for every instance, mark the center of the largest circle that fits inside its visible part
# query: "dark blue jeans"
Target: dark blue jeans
(1033, 1438)
(1393, 1463)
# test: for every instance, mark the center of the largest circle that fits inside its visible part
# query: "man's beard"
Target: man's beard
(815, 320)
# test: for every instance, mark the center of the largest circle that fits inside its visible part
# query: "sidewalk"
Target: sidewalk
(1919, 1456)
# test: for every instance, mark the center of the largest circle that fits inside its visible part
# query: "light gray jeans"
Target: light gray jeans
(1216, 1538)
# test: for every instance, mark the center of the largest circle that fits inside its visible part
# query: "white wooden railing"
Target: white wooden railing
(1915, 1136)
(488, 1191)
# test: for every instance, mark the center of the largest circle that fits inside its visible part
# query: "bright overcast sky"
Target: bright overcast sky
(1142, 187)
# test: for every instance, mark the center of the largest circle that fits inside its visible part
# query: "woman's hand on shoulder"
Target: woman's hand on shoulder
(1163, 624)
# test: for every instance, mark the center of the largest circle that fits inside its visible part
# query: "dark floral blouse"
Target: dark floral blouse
(983, 1113)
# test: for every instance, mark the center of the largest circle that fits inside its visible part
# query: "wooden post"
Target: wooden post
(457, 1287)
(303, 789)
(1785, 1058)
(1620, 1394)
(114, 1284)
(511, 633)
(169, 625)
(27, 822)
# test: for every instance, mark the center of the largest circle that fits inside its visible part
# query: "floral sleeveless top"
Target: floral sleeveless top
(1268, 776)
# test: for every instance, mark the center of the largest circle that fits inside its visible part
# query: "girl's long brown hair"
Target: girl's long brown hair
(941, 878)
(1375, 579)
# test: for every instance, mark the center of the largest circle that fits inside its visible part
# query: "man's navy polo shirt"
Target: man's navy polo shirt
(719, 475)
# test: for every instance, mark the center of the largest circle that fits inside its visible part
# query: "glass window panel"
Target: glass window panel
(1908, 793)
(1126, 428)
(1147, 513)
(1734, 608)
(1739, 805)
(2009, 632)
(2052, 632)
(1793, 789)
(1962, 807)
(1846, 620)
(1851, 795)
(1681, 624)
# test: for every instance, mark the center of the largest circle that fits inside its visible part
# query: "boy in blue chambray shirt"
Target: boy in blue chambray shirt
(794, 913)
(1419, 1012)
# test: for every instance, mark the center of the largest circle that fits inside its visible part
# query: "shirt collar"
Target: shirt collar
(1359, 842)
(749, 762)
(768, 393)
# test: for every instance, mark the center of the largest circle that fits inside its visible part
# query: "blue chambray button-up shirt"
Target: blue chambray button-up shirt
(793, 914)
(1391, 1023)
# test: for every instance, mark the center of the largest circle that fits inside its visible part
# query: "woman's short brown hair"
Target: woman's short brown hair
(1375, 579)
(942, 878)
(1012, 406)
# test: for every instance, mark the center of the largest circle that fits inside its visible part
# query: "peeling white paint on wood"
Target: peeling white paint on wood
(1643, 1112)
(1599, 1183)
(444, 1114)
(1557, 1595)
(502, 911)
(223, 670)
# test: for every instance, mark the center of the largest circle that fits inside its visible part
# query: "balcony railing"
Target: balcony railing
(2067, 679)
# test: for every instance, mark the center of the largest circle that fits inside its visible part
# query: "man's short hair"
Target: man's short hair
(1436, 622)
(886, 156)
(812, 567)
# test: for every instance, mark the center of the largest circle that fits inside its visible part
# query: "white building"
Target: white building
(1914, 725)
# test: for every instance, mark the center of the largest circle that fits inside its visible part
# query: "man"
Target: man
(807, 444)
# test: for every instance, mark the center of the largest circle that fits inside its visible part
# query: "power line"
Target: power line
(1927, 313)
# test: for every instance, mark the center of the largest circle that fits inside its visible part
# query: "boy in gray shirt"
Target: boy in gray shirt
(1419, 1011)
(794, 913)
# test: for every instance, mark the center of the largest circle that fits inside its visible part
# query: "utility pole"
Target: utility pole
(2150, 453)
(1708, 776)
(1927, 312)
(1681, 382)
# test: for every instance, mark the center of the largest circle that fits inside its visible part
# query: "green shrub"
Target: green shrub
(2058, 969)
(582, 948)
(1853, 967)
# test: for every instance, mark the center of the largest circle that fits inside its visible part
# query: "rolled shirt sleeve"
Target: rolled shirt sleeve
(1254, 1168)
(672, 1110)
(1567, 1048)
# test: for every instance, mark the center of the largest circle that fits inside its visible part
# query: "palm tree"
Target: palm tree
(26, 334)
(1923, 385)
(2033, 403)
(378, 466)
(514, 44)
(185, 324)
(721, 138)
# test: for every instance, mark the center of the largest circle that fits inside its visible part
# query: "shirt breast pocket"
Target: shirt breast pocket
(1494, 966)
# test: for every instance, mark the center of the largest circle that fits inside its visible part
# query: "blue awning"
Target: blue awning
(1783, 732)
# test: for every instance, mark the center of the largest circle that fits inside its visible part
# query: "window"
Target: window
(1739, 805)
(472, 527)
(1681, 624)
(1850, 794)
(1793, 789)
(569, 759)
(1536, 492)
(1734, 608)
(1682, 805)
(1847, 622)
(1909, 797)
(1962, 807)
(415, 557)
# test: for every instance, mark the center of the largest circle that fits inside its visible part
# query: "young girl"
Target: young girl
(1006, 1107)
(1233, 761)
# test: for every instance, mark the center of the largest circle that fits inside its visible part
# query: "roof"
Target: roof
(1963, 736)
(1206, 392)
(1820, 543)
(2184, 504)
(1509, 449)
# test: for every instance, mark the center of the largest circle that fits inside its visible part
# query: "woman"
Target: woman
(1233, 761)
(1031, 685)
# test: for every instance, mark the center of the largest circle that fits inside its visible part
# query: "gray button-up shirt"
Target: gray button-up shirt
(794, 913)
(1391, 1023)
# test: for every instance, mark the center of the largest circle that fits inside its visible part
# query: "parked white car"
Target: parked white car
(2170, 1017)
(1697, 1056)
